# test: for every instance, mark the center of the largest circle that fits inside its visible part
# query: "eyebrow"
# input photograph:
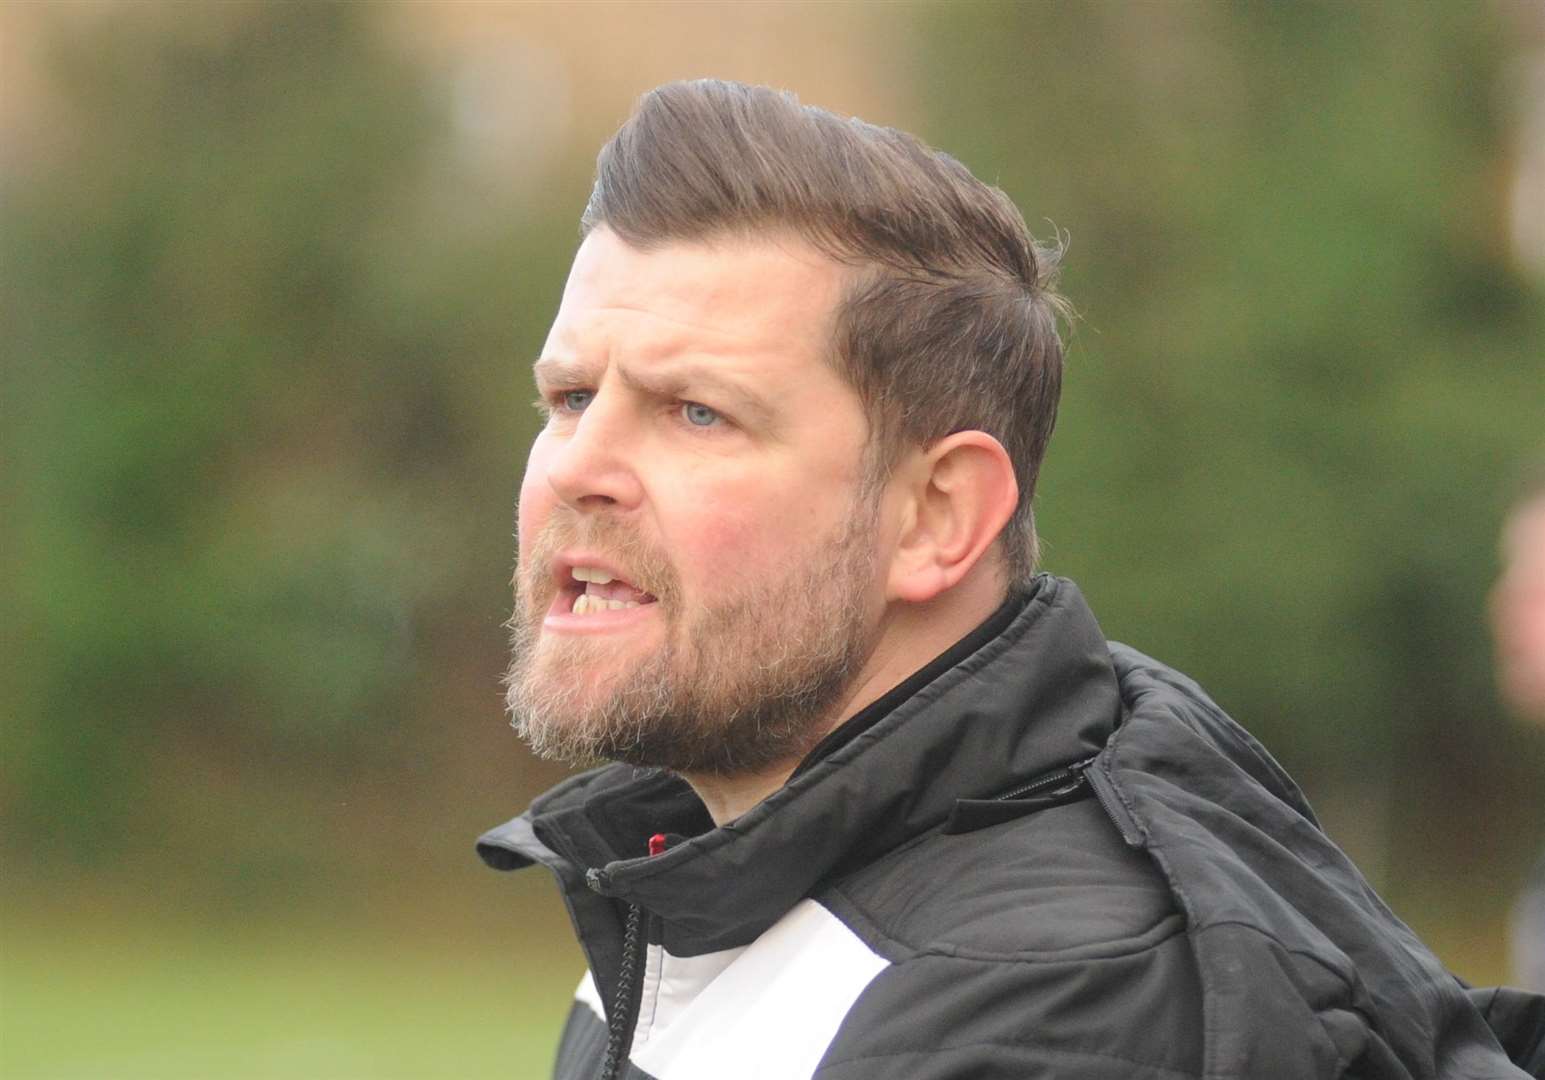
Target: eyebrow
(677, 381)
(553, 373)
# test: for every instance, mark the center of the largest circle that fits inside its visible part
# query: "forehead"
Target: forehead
(746, 297)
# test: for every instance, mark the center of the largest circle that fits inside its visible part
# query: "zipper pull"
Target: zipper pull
(600, 879)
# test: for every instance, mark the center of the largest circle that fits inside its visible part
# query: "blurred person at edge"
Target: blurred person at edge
(1518, 618)
(884, 801)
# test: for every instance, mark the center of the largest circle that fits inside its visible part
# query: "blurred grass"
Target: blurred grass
(87, 995)
(95, 997)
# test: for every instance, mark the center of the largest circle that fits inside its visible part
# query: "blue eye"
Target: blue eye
(699, 415)
(576, 400)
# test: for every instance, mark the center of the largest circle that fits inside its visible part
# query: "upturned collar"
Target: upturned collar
(1039, 695)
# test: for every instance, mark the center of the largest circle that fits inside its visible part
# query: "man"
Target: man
(1518, 620)
(885, 802)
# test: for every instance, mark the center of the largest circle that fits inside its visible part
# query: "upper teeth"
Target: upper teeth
(590, 573)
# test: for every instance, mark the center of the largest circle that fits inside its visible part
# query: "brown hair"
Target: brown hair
(950, 322)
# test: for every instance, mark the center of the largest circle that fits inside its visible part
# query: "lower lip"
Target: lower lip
(562, 619)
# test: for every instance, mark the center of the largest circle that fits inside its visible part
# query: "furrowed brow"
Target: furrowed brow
(684, 382)
(551, 374)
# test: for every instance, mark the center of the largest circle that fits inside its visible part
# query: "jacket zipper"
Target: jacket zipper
(1114, 808)
(620, 1020)
(1069, 777)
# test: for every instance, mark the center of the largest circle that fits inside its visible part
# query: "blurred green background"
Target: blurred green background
(273, 275)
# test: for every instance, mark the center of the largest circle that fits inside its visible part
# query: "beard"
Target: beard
(742, 682)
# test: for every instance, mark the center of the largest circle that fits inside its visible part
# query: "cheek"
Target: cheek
(724, 530)
(535, 502)
(744, 530)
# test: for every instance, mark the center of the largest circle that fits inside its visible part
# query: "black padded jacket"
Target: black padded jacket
(1058, 858)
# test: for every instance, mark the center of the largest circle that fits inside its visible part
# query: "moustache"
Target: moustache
(642, 565)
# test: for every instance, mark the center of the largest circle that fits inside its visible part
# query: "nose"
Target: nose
(592, 466)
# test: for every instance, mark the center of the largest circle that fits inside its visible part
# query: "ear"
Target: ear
(959, 492)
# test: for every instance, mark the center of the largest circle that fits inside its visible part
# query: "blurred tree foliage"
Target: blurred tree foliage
(258, 398)
(264, 355)
(1306, 372)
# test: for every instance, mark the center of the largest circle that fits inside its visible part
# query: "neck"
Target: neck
(728, 797)
(910, 635)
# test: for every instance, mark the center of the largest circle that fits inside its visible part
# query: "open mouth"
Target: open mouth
(589, 590)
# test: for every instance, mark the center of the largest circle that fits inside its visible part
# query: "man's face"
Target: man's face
(701, 453)
(1518, 611)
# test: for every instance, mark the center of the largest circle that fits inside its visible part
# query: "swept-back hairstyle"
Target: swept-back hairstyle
(949, 322)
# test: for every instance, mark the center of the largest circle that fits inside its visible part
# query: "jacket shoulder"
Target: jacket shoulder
(1056, 883)
(1041, 946)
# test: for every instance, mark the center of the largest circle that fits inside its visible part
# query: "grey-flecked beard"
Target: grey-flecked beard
(741, 683)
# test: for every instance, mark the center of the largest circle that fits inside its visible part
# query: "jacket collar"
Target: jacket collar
(1040, 695)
